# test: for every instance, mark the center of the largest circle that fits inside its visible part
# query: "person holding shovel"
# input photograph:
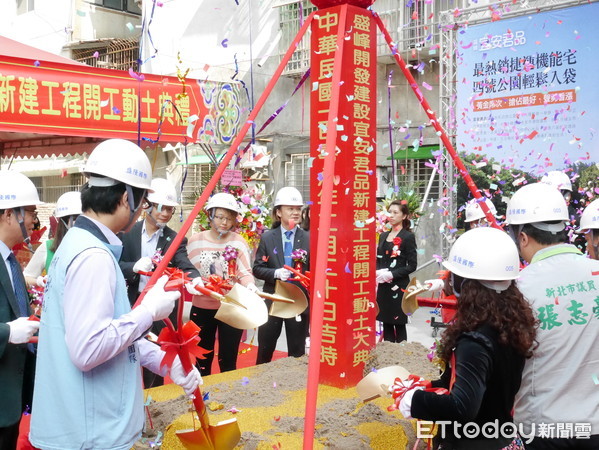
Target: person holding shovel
(275, 251)
(220, 252)
(88, 392)
(146, 243)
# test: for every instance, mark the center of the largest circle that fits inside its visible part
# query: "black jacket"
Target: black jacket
(17, 364)
(389, 294)
(488, 376)
(270, 255)
(132, 253)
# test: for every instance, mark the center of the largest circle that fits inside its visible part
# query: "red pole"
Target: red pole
(440, 131)
(228, 156)
(324, 225)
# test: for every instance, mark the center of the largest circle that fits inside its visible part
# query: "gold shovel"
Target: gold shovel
(294, 304)
(376, 384)
(240, 307)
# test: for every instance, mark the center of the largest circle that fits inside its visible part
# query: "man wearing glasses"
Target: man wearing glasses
(18, 199)
(147, 239)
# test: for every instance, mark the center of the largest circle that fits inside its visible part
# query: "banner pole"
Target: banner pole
(433, 119)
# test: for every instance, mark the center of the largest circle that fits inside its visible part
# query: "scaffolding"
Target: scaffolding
(451, 21)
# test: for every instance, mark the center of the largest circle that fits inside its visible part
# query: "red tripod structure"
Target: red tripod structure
(324, 220)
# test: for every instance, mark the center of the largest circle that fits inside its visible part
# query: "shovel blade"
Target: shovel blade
(224, 435)
(288, 310)
(251, 314)
(409, 303)
(376, 384)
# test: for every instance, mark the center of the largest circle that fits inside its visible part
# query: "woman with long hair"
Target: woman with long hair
(219, 251)
(395, 260)
(484, 348)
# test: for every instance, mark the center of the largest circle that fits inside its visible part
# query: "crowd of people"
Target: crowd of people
(520, 350)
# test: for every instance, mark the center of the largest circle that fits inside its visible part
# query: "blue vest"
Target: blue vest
(98, 409)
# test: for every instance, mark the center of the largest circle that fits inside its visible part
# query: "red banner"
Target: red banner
(53, 98)
(348, 331)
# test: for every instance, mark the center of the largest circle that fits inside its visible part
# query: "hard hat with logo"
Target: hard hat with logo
(288, 196)
(590, 216)
(484, 254)
(68, 204)
(558, 180)
(475, 212)
(119, 161)
(535, 203)
(164, 193)
(17, 190)
(222, 200)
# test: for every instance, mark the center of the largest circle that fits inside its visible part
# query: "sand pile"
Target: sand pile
(268, 402)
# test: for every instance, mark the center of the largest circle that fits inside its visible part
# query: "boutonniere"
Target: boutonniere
(396, 244)
(230, 256)
(299, 256)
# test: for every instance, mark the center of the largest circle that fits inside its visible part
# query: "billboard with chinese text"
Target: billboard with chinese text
(527, 90)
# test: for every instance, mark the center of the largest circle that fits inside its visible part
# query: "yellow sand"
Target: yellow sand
(260, 419)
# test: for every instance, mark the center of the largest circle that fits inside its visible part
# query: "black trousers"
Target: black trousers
(9, 436)
(394, 332)
(229, 339)
(296, 333)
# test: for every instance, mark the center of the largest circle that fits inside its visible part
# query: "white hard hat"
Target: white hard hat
(164, 193)
(536, 202)
(590, 216)
(120, 160)
(484, 254)
(288, 196)
(558, 180)
(68, 204)
(222, 200)
(17, 190)
(475, 212)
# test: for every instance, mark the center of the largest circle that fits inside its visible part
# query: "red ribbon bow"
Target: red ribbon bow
(217, 284)
(401, 387)
(174, 341)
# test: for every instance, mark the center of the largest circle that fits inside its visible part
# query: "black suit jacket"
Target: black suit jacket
(270, 255)
(17, 364)
(132, 253)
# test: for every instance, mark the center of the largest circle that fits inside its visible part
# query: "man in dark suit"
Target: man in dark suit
(18, 200)
(149, 237)
(274, 251)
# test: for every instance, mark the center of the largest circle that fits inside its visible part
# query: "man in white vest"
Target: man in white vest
(558, 401)
(91, 344)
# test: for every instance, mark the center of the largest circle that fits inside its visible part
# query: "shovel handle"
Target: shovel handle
(274, 297)
(209, 293)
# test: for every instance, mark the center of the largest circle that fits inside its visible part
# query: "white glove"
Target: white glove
(385, 277)
(253, 288)
(405, 405)
(41, 280)
(378, 275)
(22, 329)
(144, 264)
(282, 274)
(434, 285)
(191, 286)
(189, 382)
(159, 302)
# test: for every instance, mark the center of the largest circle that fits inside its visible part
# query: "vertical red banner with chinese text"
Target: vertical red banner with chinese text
(348, 331)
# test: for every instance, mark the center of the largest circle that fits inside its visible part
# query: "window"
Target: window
(130, 6)
(289, 16)
(25, 6)
(297, 174)
(117, 54)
